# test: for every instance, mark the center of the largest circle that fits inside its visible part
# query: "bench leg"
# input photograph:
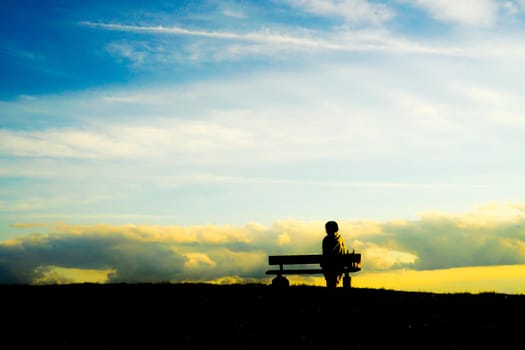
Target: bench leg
(280, 281)
(347, 281)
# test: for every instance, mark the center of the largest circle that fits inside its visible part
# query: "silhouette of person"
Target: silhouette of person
(333, 244)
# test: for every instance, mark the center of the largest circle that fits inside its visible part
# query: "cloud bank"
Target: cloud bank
(490, 236)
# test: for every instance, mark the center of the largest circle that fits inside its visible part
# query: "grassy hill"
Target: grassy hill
(184, 316)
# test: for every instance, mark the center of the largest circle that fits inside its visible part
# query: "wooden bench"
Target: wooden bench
(345, 263)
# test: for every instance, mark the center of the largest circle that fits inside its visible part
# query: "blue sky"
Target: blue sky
(211, 114)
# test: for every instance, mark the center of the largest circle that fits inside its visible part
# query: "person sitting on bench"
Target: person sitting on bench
(333, 244)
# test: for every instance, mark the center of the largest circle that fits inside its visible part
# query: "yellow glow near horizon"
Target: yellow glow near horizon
(64, 275)
(508, 279)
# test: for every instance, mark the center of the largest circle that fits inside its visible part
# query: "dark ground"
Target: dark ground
(184, 316)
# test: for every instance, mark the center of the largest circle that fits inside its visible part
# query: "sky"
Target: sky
(154, 141)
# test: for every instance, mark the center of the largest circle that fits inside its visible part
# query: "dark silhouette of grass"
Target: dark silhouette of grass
(185, 316)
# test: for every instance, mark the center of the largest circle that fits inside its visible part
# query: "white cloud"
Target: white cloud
(286, 43)
(265, 42)
(32, 202)
(353, 11)
(248, 119)
(383, 258)
(513, 7)
(264, 36)
(233, 10)
(65, 143)
(479, 13)
(136, 53)
(501, 107)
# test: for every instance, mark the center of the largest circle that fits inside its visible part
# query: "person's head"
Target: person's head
(331, 227)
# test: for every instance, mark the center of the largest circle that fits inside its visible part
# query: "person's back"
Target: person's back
(333, 244)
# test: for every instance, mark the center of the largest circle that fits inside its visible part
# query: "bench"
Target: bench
(345, 263)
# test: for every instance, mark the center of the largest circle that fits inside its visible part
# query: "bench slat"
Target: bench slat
(294, 259)
(345, 259)
(294, 272)
(304, 271)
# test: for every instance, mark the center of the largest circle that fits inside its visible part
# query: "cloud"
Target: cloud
(407, 131)
(353, 11)
(229, 11)
(264, 42)
(31, 225)
(117, 141)
(478, 13)
(131, 253)
(249, 118)
(137, 53)
(491, 235)
(482, 237)
(64, 143)
(265, 36)
(284, 42)
(38, 202)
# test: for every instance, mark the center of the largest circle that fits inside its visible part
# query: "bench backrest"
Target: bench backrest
(352, 260)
